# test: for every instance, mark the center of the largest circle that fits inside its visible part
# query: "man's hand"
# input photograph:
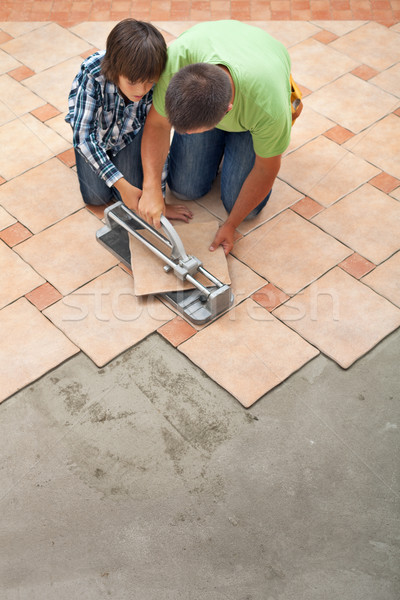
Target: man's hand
(129, 193)
(224, 237)
(151, 207)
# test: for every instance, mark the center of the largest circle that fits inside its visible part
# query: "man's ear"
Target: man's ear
(230, 106)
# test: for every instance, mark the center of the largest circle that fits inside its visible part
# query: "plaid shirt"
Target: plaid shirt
(102, 124)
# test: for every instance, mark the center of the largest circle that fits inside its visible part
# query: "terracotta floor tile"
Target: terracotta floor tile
(21, 73)
(54, 188)
(4, 37)
(339, 27)
(5, 218)
(368, 105)
(389, 80)
(325, 171)
(384, 182)
(380, 145)
(46, 112)
(364, 72)
(43, 296)
(301, 252)
(15, 234)
(24, 149)
(338, 134)
(270, 297)
(315, 65)
(27, 353)
(385, 279)
(177, 331)
(105, 318)
(16, 277)
(17, 97)
(94, 33)
(7, 62)
(54, 84)
(45, 47)
(307, 208)
(67, 157)
(367, 220)
(372, 44)
(307, 127)
(341, 316)
(258, 352)
(288, 32)
(357, 265)
(325, 37)
(67, 254)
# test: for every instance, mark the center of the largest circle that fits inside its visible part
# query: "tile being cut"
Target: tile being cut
(148, 273)
(341, 316)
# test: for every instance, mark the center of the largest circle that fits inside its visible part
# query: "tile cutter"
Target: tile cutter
(199, 305)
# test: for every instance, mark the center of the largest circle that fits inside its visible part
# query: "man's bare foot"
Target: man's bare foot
(178, 212)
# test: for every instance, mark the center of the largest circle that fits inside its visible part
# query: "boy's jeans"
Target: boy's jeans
(195, 158)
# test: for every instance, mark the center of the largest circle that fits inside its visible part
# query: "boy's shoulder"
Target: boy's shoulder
(92, 64)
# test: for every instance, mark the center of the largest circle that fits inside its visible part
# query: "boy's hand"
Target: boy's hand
(151, 207)
(178, 212)
(224, 237)
(129, 193)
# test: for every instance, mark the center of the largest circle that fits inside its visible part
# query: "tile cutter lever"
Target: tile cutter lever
(199, 305)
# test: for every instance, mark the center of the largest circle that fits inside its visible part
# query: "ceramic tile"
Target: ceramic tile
(339, 28)
(43, 296)
(5, 218)
(385, 279)
(315, 65)
(6, 114)
(95, 33)
(357, 265)
(301, 252)
(368, 103)
(396, 193)
(18, 28)
(46, 112)
(175, 28)
(380, 145)
(325, 37)
(365, 72)
(389, 80)
(338, 134)
(17, 97)
(54, 84)
(15, 234)
(21, 73)
(59, 125)
(270, 297)
(307, 208)
(371, 44)
(262, 352)
(367, 220)
(42, 196)
(27, 353)
(4, 37)
(341, 316)
(7, 62)
(45, 47)
(307, 127)
(325, 171)
(54, 142)
(67, 254)
(177, 331)
(385, 182)
(16, 277)
(200, 214)
(105, 318)
(24, 149)
(289, 33)
(67, 157)
(149, 275)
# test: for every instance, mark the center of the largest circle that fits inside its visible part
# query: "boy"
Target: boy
(108, 104)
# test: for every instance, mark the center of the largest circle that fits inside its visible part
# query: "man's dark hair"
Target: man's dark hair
(136, 50)
(197, 97)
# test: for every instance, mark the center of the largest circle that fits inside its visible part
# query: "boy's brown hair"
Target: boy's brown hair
(136, 50)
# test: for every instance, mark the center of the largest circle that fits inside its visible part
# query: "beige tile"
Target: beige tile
(16, 276)
(67, 254)
(396, 194)
(339, 27)
(287, 32)
(7, 62)
(6, 114)
(149, 275)
(95, 33)
(16, 97)
(42, 196)
(396, 27)
(54, 84)
(385, 279)
(315, 64)
(325, 171)
(389, 80)
(372, 44)
(367, 220)
(307, 127)
(5, 218)
(380, 145)
(341, 316)
(290, 252)
(200, 214)
(24, 149)
(105, 318)
(54, 142)
(30, 347)
(45, 47)
(257, 352)
(368, 103)
(59, 125)
(17, 28)
(174, 27)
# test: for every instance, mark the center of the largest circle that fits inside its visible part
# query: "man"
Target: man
(226, 90)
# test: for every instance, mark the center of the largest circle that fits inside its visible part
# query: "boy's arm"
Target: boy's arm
(155, 147)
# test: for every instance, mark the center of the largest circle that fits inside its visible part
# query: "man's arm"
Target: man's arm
(255, 188)
(155, 147)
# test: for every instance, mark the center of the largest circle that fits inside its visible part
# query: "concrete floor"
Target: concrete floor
(145, 480)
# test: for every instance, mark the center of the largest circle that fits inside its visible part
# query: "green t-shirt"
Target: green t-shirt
(260, 69)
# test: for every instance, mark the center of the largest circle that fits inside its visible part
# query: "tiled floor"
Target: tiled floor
(317, 271)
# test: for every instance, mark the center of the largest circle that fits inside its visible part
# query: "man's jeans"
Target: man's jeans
(195, 158)
(128, 162)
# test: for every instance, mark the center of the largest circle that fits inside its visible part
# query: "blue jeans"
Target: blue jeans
(128, 162)
(194, 161)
